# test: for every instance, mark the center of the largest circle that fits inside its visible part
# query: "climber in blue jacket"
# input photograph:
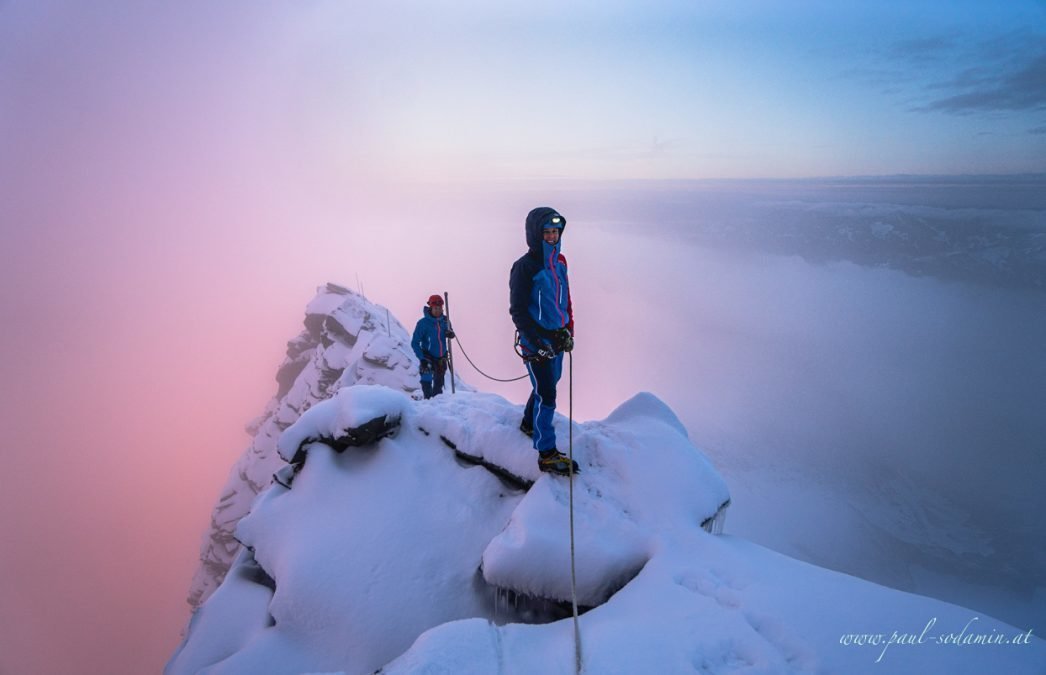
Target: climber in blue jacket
(430, 346)
(539, 302)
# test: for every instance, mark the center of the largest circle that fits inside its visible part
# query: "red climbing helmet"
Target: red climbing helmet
(435, 301)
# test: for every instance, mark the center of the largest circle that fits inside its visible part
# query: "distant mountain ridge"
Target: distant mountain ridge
(988, 230)
(972, 248)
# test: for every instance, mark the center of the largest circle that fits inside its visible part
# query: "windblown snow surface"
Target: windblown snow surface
(442, 549)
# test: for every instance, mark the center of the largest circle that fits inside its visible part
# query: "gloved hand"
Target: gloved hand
(425, 366)
(563, 340)
(450, 335)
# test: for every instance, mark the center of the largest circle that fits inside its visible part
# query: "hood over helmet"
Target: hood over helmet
(537, 220)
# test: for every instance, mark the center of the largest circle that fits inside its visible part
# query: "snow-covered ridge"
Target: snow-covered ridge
(372, 546)
(400, 555)
(347, 340)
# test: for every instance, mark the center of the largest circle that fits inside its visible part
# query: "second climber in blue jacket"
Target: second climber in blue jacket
(430, 346)
(539, 302)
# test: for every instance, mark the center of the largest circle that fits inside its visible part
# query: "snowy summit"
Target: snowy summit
(402, 536)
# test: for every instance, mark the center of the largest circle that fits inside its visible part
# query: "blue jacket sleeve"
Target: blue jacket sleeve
(419, 335)
(520, 284)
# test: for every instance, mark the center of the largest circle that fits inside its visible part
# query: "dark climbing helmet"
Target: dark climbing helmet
(435, 301)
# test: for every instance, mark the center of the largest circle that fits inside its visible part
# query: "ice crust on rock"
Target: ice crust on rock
(350, 408)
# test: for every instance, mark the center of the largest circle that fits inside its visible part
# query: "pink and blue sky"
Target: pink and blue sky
(177, 178)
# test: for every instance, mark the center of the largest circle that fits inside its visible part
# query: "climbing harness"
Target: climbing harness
(532, 358)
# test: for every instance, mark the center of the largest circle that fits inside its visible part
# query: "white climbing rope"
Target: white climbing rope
(573, 574)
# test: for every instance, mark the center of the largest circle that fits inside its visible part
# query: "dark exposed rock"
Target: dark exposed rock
(507, 477)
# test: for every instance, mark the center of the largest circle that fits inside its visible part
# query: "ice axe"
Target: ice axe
(450, 353)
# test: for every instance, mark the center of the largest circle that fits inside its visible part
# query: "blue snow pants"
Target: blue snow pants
(432, 381)
(541, 406)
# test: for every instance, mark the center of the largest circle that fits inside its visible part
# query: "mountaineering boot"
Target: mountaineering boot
(554, 461)
(527, 427)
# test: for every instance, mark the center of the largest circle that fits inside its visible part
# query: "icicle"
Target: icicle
(716, 523)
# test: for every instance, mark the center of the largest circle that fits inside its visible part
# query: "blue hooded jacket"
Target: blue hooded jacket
(539, 291)
(430, 336)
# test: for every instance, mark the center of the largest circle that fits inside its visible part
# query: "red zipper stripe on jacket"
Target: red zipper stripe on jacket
(555, 278)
